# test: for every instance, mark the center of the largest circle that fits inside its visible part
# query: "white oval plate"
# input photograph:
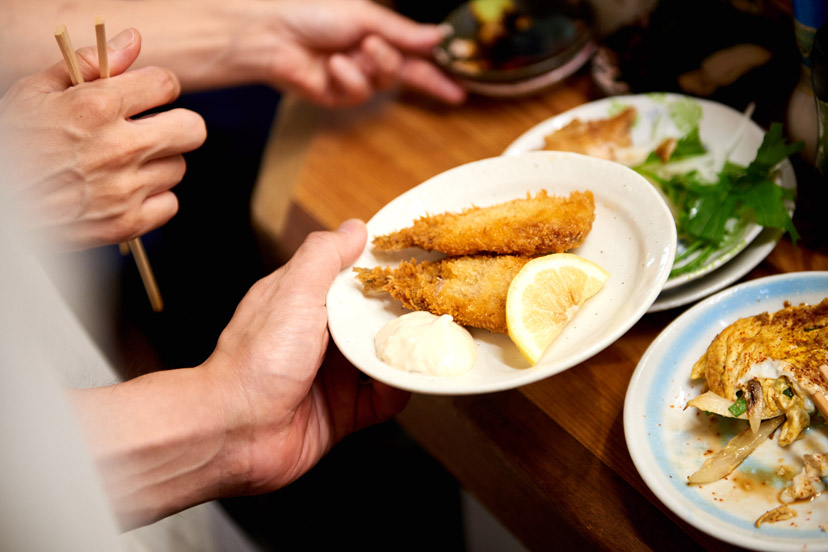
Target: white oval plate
(724, 131)
(633, 237)
(667, 443)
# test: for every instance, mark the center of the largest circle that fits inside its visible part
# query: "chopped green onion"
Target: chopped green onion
(738, 408)
(788, 392)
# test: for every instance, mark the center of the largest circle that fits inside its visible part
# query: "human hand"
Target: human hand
(88, 172)
(337, 53)
(287, 410)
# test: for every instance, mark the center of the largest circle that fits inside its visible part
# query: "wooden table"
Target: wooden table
(550, 459)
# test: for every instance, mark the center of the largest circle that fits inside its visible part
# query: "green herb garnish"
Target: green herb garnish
(738, 408)
(788, 392)
(710, 215)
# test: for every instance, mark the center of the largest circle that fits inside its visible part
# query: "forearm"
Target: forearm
(163, 443)
(207, 43)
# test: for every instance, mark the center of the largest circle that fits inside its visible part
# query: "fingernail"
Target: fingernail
(349, 226)
(122, 40)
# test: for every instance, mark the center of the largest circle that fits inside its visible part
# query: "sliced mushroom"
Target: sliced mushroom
(755, 400)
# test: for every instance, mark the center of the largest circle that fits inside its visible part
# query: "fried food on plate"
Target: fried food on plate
(597, 138)
(771, 362)
(532, 226)
(472, 289)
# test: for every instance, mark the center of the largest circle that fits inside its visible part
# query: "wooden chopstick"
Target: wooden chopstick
(65, 45)
(134, 245)
(819, 399)
(100, 37)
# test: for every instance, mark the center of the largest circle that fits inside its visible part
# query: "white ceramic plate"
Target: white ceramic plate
(633, 237)
(725, 132)
(667, 443)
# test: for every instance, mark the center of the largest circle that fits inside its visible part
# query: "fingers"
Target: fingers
(383, 61)
(160, 175)
(171, 132)
(350, 84)
(423, 76)
(377, 65)
(156, 211)
(404, 33)
(145, 88)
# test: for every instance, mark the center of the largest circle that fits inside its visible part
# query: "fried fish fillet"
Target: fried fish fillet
(773, 361)
(532, 226)
(472, 289)
(597, 138)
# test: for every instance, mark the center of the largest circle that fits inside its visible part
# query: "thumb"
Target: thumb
(122, 50)
(324, 254)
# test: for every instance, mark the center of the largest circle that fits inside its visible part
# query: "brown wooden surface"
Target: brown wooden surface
(550, 459)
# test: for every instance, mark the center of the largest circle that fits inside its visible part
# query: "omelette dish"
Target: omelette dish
(597, 138)
(536, 225)
(767, 365)
(472, 289)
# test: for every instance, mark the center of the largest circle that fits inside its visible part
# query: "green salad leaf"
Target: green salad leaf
(710, 214)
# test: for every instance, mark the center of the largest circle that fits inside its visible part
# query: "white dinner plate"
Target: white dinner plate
(633, 237)
(725, 132)
(668, 443)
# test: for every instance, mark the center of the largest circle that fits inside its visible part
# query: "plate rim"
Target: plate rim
(640, 453)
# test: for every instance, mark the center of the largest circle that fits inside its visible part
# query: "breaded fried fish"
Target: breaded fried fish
(770, 360)
(472, 289)
(532, 226)
(596, 138)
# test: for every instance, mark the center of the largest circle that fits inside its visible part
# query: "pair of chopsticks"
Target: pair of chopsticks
(134, 245)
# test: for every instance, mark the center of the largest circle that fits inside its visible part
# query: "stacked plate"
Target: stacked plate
(727, 134)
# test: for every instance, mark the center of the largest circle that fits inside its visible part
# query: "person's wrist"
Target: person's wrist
(234, 413)
(254, 49)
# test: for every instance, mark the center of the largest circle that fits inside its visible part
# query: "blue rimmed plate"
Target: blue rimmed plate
(668, 443)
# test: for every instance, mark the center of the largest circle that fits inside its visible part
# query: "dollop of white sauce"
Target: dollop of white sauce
(422, 342)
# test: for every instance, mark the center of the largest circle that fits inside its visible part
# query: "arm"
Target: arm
(333, 52)
(256, 415)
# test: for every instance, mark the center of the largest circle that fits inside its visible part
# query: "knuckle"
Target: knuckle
(166, 82)
(98, 107)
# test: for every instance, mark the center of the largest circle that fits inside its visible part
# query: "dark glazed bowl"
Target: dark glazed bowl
(552, 39)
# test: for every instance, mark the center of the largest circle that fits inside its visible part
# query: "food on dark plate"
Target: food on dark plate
(532, 226)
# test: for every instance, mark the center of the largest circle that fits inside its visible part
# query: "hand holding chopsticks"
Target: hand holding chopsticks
(135, 245)
(127, 164)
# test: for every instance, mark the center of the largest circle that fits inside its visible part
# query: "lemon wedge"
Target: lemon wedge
(545, 295)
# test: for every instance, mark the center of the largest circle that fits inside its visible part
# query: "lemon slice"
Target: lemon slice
(545, 295)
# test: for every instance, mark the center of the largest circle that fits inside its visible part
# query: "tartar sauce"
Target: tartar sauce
(422, 342)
